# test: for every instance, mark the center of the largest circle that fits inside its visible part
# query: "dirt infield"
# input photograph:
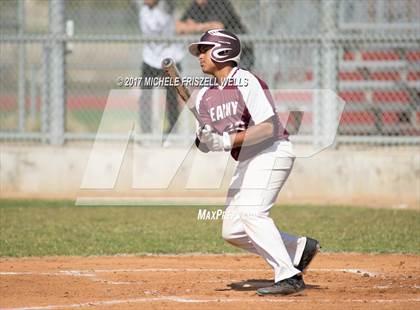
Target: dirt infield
(345, 281)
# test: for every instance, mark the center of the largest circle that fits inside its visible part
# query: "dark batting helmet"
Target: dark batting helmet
(226, 45)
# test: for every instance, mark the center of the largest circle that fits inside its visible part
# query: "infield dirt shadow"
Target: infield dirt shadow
(254, 284)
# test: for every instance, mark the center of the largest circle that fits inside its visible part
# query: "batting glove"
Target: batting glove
(214, 141)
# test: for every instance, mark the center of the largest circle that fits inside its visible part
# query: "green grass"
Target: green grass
(37, 228)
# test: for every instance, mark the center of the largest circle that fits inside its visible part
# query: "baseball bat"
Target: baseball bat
(171, 70)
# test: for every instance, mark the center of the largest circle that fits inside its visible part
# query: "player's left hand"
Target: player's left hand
(214, 141)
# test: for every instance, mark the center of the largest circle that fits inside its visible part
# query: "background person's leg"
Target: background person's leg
(145, 101)
(172, 108)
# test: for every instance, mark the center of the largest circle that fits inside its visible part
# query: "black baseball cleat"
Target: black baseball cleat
(312, 247)
(284, 287)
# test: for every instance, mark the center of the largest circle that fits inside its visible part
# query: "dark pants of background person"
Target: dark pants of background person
(171, 107)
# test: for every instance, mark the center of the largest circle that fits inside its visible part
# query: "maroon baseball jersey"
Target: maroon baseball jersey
(242, 101)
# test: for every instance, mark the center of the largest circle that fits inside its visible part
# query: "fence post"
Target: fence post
(21, 67)
(317, 99)
(45, 92)
(57, 72)
(33, 83)
(329, 69)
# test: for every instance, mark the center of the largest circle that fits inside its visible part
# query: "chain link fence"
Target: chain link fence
(60, 59)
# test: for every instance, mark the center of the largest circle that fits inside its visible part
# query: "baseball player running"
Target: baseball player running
(240, 117)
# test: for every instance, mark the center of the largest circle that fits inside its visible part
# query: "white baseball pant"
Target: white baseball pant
(253, 191)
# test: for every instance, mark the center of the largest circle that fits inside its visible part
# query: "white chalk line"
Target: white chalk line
(92, 273)
(384, 287)
(59, 273)
(211, 300)
(361, 272)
